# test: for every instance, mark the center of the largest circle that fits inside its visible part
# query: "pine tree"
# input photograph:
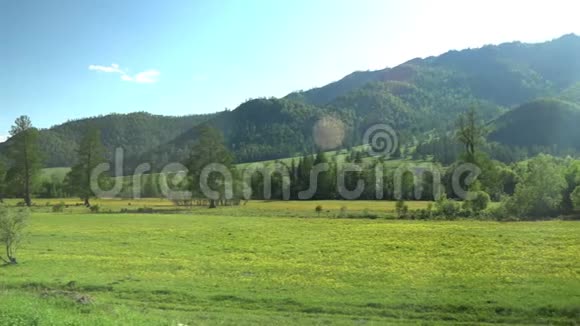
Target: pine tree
(208, 149)
(91, 153)
(293, 180)
(325, 180)
(150, 186)
(25, 157)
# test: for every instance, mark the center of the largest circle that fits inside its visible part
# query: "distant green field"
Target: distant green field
(259, 208)
(207, 267)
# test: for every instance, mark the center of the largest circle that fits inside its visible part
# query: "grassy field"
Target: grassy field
(259, 267)
(259, 208)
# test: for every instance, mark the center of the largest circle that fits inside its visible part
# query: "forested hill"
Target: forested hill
(508, 74)
(544, 122)
(135, 133)
(417, 97)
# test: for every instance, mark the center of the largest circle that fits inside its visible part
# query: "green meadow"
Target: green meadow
(279, 263)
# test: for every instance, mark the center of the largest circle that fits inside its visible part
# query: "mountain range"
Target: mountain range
(528, 92)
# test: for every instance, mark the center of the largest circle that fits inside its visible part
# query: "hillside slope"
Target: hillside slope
(507, 75)
(136, 133)
(544, 122)
(259, 129)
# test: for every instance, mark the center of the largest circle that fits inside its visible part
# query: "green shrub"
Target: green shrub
(58, 208)
(95, 208)
(318, 209)
(12, 224)
(343, 212)
(401, 209)
(539, 193)
(448, 209)
(423, 214)
(479, 202)
(367, 214)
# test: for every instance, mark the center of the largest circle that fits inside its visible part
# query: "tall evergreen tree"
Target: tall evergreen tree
(304, 169)
(325, 188)
(91, 153)
(151, 189)
(25, 156)
(294, 179)
(208, 149)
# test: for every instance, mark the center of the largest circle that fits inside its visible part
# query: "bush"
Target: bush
(95, 208)
(12, 224)
(401, 209)
(500, 212)
(318, 209)
(448, 209)
(343, 212)
(367, 214)
(58, 208)
(539, 194)
(145, 210)
(479, 202)
(424, 214)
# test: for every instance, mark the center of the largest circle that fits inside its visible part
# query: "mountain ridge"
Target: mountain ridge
(417, 96)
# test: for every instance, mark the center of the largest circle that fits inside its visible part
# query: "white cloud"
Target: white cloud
(112, 68)
(149, 76)
(3, 138)
(144, 77)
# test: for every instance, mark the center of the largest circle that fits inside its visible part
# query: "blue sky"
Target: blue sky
(67, 59)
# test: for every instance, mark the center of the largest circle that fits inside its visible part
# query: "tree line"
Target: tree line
(20, 171)
(540, 186)
(543, 185)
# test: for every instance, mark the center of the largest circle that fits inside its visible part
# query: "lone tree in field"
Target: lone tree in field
(25, 157)
(12, 224)
(208, 149)
(470, 133)
(91, 153)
